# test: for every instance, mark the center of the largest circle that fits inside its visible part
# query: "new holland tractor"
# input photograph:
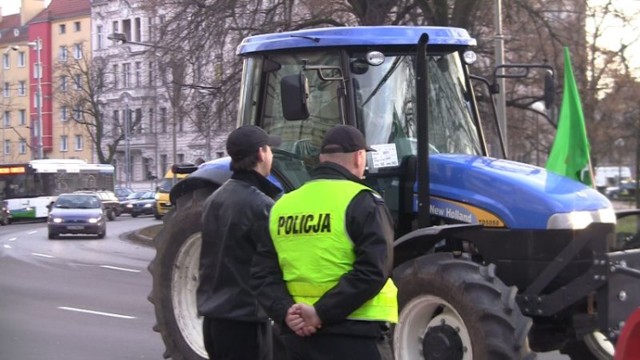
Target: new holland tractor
(494, 259)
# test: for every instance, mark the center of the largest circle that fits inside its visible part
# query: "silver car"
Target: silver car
(77, 214)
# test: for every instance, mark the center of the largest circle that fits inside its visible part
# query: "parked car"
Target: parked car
(122, 193)
(110, 202)
(144, 205)
(77, 213)
(626, 190)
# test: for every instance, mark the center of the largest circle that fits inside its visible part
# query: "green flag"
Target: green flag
(570, 152)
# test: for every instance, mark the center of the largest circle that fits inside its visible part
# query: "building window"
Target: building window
(5, 91)
(63, 83)
(36, 71)
(64, 113)
(115, 28)
(76, 26)
(36, 100)
(22, 117)
(6, 119)
(64, 143)
(62, 28)
(99, 37)
(79, 144)
(126, 74)
(126, 28)
(163, 120)
(23, 146)
(22, 62)
(138, 121)
(116, 123)
(77, 51)
(77, 112)
(150, 36)
(115, 76)
(151, 120)
(77, 81)
(62, 53)
(22, 88)
(7, 147)
(5, 61)
(138, 73)
(181, 124)
(151, 80)
(137, 29)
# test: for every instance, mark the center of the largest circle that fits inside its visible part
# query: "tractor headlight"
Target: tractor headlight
(581, 219)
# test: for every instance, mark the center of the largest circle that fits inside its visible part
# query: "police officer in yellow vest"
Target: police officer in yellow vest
(326, 273)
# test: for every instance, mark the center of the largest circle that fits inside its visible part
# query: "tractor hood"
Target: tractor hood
(517, 195)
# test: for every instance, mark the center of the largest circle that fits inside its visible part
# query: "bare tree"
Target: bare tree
(81, 82)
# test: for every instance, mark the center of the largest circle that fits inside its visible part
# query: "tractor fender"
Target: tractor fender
(209, 174)
(421, 241)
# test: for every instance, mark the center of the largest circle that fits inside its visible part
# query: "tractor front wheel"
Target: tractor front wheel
(175, 278)
(455, 309)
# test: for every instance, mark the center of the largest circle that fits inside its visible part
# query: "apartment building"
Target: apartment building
(49, 56)
(137, 108)
(18, 116)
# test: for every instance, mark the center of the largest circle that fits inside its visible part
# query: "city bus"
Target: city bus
(27, 189)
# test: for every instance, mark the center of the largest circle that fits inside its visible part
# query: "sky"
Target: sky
(13, 6)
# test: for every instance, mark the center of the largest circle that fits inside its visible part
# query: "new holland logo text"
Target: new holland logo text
(304, 224)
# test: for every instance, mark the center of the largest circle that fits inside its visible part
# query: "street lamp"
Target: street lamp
(37, 45)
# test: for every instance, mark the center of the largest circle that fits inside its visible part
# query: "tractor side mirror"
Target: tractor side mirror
(295, 96)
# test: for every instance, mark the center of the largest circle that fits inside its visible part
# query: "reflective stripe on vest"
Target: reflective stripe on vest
(314, 250)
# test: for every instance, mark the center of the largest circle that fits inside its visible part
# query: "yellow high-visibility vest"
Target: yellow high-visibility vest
(314, 248)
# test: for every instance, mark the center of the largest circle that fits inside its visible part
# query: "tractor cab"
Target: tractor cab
(328, 80)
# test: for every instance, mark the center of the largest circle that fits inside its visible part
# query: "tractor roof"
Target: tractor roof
(355, 36)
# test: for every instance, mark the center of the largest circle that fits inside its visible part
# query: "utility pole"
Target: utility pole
(501, 103)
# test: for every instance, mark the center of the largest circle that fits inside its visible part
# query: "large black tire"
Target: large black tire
(175, 278)
(593, 346)
(456, 309)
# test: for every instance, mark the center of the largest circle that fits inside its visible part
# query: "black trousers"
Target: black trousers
(337, 347)
(237, 340)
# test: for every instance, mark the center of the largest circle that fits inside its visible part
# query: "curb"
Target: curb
(144, 236)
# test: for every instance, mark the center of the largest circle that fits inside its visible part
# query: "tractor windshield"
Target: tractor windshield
(345, 88)
(385, 103)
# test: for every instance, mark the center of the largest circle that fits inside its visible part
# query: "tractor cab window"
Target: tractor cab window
(301, 139)
(385, 105)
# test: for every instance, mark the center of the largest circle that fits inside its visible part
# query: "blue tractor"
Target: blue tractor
(494, 259)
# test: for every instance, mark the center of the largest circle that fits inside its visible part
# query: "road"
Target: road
(76, 298)
(80, 298)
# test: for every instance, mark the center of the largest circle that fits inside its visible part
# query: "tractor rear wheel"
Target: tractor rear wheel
(455, 309)
(175, 278)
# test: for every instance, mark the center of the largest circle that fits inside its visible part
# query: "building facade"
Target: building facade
(61, 51)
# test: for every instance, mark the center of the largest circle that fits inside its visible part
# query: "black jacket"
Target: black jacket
(370, 226)
(235, 216)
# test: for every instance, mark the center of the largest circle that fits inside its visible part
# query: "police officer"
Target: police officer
(326, 272)
(235, 216)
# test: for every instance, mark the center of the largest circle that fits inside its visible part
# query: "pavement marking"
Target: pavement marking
(7, 246)
(43, 255)
(119, 268)
(32, 232)
(13, 239)
(96, 312)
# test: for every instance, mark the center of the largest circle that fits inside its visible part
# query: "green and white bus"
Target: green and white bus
(28, 189)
